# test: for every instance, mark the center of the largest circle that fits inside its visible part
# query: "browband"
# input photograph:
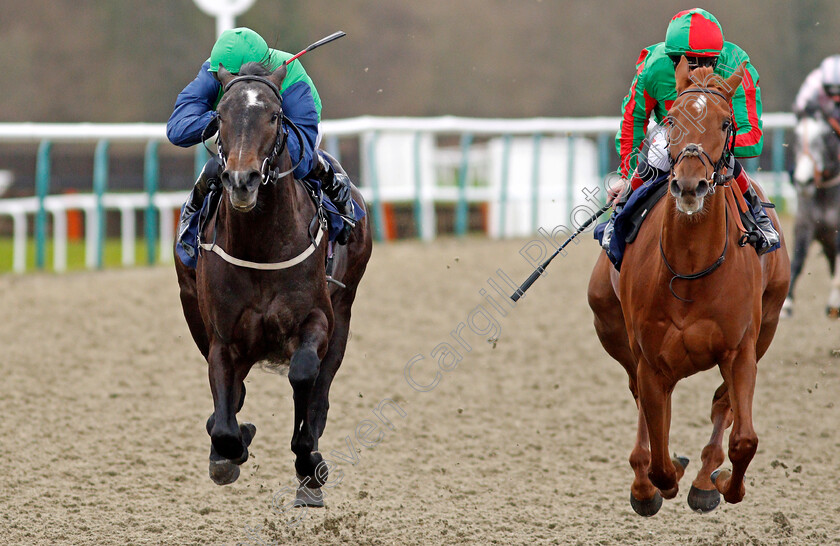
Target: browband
(249, 77)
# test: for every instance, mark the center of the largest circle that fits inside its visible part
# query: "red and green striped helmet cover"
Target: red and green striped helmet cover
(694, 32)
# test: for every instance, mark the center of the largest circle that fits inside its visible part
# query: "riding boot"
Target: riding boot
(762, 235)
(208, 180)
(336, 185)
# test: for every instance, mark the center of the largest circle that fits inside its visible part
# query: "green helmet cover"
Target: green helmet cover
(236, 47)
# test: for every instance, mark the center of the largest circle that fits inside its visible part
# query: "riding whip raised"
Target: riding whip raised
(319, 43)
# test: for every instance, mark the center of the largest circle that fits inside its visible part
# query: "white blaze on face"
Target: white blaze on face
(700, 104)
(252, 98)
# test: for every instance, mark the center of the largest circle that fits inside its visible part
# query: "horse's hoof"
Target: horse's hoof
(681, 460)
(647, 507)
(248, 431)
(832, 312)
(703, 501)
(223, 472)
(309, 496)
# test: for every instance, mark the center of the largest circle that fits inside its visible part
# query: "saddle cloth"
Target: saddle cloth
(630, 219)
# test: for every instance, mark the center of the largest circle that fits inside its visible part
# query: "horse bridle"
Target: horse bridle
(718, 179)
(695, 150)
(267, 170)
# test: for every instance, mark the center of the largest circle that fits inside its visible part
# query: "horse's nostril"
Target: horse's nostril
(702, 188)
(675, 187)
(254, 179)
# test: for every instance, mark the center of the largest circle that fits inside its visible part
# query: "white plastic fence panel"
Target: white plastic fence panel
(553, 204)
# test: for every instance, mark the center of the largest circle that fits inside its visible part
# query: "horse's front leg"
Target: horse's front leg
(229, 441)
(655, 399)
(644, 496)
(739, 374)
(303, 372)
(703, 496)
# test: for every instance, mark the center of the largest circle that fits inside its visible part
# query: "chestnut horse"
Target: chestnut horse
(689, 297)
(273, 303)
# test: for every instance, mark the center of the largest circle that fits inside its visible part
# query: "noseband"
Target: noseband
(268, 172)
(696, 150)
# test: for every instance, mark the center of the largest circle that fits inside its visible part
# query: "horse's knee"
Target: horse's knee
(303, 368)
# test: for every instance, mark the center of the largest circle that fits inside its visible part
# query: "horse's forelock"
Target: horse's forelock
(705, 76)
(255, 69)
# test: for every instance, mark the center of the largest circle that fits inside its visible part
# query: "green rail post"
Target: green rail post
(779, 166)
(379, 211)
(201, 157)
(570, 177)
(151, 176)
(503, 190)
(100, 184)
(42, 188)
(461, 209)
(603, 164)
(333, 148)
(418, 187)
(535, 184)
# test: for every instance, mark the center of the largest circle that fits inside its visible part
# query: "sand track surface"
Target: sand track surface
(525, 440)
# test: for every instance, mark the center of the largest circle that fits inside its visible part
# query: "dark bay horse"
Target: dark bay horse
(689, 298)
(284, 313)
(816, 176)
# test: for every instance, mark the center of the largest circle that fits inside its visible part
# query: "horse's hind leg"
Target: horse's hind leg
(739, 375)
(833, 255)
(703, 496)
(804, 234)
(304, 370)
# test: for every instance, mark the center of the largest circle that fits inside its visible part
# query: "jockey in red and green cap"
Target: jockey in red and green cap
(194, 118)
(697, 35)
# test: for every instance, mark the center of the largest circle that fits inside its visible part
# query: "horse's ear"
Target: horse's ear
(223, 75)
(733, 82)
(682, 75)
(277, 76)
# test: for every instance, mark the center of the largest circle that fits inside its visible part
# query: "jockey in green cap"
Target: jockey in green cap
(697, 35)
(195, 118)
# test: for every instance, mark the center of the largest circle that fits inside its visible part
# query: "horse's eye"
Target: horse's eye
(274, 117)
(726, 125)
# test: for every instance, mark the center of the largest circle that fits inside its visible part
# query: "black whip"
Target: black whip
(541, 269)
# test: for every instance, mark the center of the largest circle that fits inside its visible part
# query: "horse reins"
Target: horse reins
(718, 179)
